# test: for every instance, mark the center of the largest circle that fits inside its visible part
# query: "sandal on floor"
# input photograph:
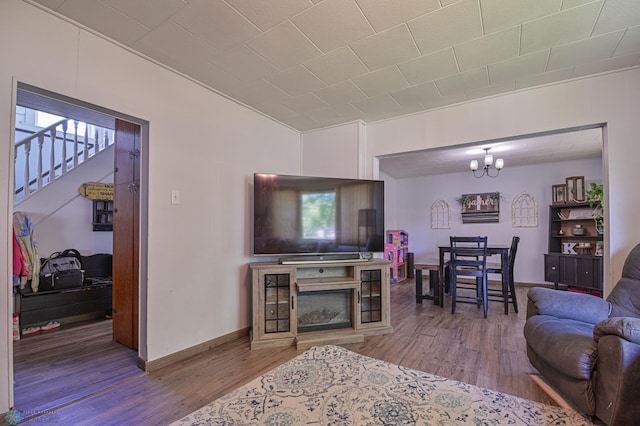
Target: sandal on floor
(50, 325)
(30, 330)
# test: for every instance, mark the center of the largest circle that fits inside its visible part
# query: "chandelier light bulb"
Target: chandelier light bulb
(488, 160)
(474, 165)
(499, 163)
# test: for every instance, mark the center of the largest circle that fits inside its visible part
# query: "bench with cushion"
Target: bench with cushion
(91, 300)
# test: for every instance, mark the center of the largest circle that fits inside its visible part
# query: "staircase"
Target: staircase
(44, 155)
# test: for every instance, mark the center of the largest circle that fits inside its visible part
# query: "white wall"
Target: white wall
(200, 143)
(331, 152)
(411, 199)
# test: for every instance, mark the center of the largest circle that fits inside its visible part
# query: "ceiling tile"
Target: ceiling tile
(559, 28)
(305, 103)
(266, 14)
(303, 123)
(285, 46)
(261, 92)
(339, 65)
(593, 49)
(417, 94)
(346, 24)
(456, 98)
(324, 115)
(245, 64)
(500, 14)
(505, 71)
(540, 79)
(383, 14)
(348, 111)
(630, 42)
(377, 105)
(568, 4)
(278, 111)
(215, 78)
(378, 82)
(430, 67)
(386, 48)
(606, 65)
(104, 19)
(52, 4)
(618, 14)
(297, 81)
(231, 28)
(491, 90)
(488, 49)
(448, 26)
(149, 13)
(463, 82)
(173, 45)
(340, 93)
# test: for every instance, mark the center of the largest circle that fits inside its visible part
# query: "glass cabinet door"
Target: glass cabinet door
(277, 305)
(370, 296)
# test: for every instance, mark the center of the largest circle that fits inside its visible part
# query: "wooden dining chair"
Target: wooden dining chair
(507, 293)
(468, 259)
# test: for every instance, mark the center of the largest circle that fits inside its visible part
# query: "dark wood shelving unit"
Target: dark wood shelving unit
(572, 260)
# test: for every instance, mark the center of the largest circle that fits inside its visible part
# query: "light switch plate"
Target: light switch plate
(175, 196)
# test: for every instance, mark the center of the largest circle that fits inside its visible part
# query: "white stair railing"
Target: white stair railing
(65, 151)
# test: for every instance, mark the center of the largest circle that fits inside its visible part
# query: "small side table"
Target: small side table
(435, 288)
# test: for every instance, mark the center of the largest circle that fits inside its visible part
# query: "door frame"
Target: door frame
(74, 108)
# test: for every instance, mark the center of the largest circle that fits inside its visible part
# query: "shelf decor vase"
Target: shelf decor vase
(578, 231)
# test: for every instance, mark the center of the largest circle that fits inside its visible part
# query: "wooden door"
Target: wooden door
(125, 234)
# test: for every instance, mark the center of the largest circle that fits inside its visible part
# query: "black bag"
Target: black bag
(61, 280)
(61, 261)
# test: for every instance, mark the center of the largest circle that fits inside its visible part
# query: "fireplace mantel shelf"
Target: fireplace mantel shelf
(304, 286)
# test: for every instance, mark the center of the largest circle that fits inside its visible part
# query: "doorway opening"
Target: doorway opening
(82, 354)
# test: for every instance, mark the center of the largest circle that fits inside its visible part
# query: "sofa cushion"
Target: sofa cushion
(566, 345)
(568, 305)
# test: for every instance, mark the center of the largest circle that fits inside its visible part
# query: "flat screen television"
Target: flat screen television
(303, 215)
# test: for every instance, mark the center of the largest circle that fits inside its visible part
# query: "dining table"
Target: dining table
(492, 249)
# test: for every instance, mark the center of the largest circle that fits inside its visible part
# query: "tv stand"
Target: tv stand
(308, 304)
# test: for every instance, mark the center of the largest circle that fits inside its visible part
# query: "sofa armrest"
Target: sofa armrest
(618, 381)
(566, 304)
(627, 328)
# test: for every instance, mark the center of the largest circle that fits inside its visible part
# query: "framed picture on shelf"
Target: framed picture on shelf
(599, 249)
(575, 188)
(559, 194)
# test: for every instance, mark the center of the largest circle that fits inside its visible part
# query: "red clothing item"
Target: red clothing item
(19, 264)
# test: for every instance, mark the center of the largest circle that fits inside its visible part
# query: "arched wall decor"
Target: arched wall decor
(440, 215)
(524, 211)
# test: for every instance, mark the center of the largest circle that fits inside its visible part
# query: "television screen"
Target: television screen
(313, 215)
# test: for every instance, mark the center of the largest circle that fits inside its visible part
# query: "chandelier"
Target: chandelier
(488, 162)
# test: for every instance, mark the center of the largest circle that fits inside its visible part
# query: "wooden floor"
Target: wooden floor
(79, 376)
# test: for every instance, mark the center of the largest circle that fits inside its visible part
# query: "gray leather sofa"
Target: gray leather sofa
(588, 348)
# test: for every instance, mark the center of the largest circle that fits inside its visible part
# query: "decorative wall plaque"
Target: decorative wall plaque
(480, 208)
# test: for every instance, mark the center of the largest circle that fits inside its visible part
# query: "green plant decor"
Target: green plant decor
(595, 195)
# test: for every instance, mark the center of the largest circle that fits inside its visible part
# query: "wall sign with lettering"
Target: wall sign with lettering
(480, 208)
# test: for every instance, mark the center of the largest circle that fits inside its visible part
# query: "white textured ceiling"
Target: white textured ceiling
(316, 63)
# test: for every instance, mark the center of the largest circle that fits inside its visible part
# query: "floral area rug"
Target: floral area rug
(331, 385)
